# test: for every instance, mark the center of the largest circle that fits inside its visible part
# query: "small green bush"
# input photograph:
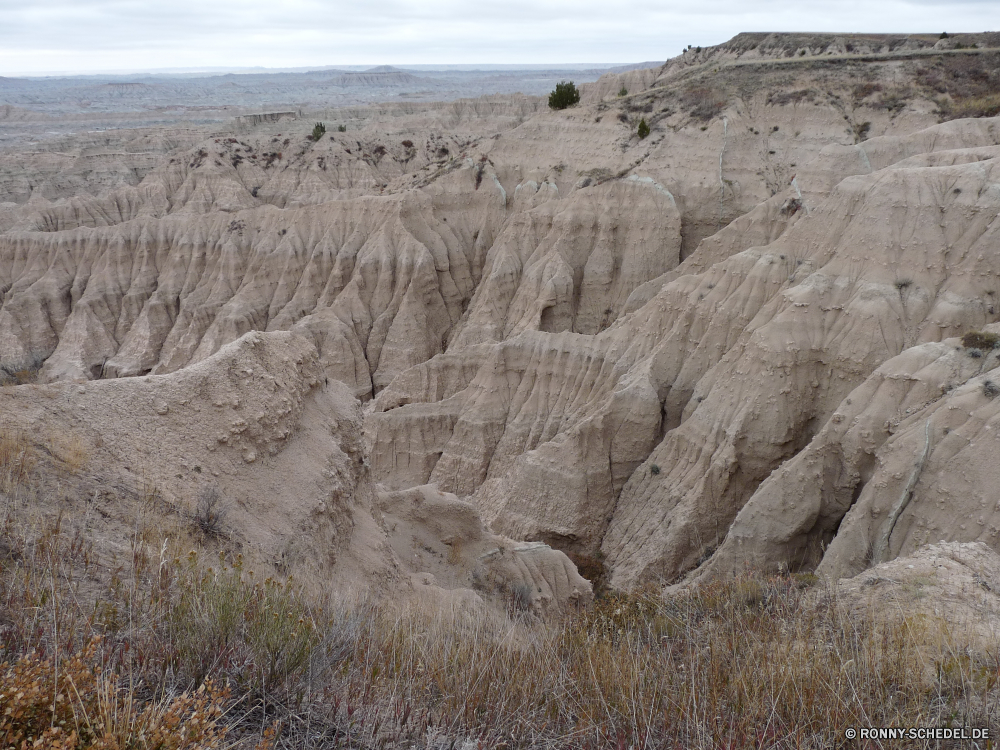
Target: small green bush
(643, 130)
(341, 128)
(319, 130)
(565, 95)
(623, 91)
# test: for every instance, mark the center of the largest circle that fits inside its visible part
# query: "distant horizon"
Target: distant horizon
(92, 37)
(196, 70)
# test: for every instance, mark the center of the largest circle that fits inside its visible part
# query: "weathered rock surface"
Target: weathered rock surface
(949, 590)
(730, 342)
(255, 426)
(254, 452)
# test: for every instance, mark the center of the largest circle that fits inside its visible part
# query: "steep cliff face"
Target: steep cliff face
(683, 353)
(729, 371)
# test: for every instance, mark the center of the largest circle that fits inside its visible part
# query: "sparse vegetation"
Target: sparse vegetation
(983, 340)
(22, 373)
(643, 130)
(206, 655)
(703, 103)
(210, 512)
(623, 91)
(565, 95)
(318, 131)
(341, 128)
(654, 469)
(976, 106)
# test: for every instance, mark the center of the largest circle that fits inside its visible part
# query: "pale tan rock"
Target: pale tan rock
(255, 424)
(601, 342)
(443, 539)
(947, 593)
(795, 514)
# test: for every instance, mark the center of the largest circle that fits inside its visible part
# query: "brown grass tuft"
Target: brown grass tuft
(982, 340)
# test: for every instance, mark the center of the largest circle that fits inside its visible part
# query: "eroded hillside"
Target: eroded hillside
(730, 341)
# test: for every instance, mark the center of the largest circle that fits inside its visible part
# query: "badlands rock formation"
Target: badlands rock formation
(738, 340)
(253, 451)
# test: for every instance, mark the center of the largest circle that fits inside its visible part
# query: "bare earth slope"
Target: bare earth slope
(252, 452)
(727, 342)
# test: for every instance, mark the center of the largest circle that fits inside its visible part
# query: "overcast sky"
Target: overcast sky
(100, 35)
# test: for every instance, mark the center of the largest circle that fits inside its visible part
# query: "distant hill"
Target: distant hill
(382, 76)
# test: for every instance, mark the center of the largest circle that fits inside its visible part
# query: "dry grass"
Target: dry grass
(755, 662)
(77, 702)
(975, 106)
(17, 460)
(23, 373)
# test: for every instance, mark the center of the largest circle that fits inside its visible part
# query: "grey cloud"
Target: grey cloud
(89, 34)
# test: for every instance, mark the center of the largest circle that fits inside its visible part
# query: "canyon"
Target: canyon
(475, 345)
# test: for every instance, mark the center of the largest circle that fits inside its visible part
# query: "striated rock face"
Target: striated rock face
(722, 377)
(734, 341)
(376, 282)
(866, 276)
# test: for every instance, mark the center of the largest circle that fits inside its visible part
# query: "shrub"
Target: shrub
(565, 95)
(262, 630)
(974, 106)
(623, 91)
(983, 340)
(210, 512)
(319, 130)
(654, 469)
(643, 129)
(341, 128)
(76, 702)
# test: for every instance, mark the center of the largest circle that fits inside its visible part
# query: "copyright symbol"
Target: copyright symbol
(850, 733)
